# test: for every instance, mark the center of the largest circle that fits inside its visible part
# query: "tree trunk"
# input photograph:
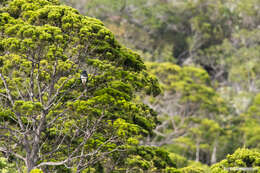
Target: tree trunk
(29, 165)
(197, 151)
(214, 154)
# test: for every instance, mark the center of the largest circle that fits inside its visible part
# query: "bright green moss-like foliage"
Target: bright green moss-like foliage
(36, 171)
(242, 158)
(50, 119)
(6, 167)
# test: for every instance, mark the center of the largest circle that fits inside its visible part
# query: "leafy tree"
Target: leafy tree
(149, 159)
(176, 30)
(251, 119)
(179, 160)
(244, 158)
(48, 119)
(191, 112)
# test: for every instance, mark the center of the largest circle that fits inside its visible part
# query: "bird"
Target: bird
(84, 77)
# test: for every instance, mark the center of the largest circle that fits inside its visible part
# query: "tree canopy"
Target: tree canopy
(183, 99)
(48, 119)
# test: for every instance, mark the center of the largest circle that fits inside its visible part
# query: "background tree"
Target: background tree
(176, 31)
(190, 110)
(251, 119)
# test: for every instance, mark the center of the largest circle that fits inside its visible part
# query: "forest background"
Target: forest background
(205, 55)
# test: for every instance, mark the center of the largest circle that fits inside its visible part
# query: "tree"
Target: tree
(251, 119)
(48, 119)
(177, 31)
(192, 113)
(241, 158)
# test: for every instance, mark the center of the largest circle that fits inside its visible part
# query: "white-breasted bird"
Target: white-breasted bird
(84, 77)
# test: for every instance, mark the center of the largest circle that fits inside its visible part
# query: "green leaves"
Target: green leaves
(6, 115)
(193, 84)
(44, 48)
(6, 167)
(241, 158)
(209, 103)
(28, 108)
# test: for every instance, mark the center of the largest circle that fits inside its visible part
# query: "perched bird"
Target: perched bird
(84, 77)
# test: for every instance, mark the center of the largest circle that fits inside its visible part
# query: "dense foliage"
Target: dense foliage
(202, 80)
(209, 104)
(242, 158)
(6, 167)
(48, 118)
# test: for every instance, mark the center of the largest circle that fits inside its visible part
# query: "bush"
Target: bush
(242, 158)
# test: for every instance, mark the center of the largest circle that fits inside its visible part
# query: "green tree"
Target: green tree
(241, 158)
(190, 110)
(250, 125)
(182, 31)
(48, 118)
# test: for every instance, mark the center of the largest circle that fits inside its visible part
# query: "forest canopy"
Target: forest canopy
(183, 99)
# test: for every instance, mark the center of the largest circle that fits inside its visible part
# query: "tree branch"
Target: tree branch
(7, 89)
(13, 153)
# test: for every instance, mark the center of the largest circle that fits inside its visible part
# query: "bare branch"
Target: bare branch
(51, 102)
(7, 89)
(4, 95)
(56, 117)
(52, 163)
(32, 80)
(38, 85)
(20, 94)
(29, 93)
(13, 153)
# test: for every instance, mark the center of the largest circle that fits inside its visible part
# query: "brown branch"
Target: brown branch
(57, 143)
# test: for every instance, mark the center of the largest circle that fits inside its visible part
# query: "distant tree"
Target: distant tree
(250, 125)
(177, 31)
(190, 110)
